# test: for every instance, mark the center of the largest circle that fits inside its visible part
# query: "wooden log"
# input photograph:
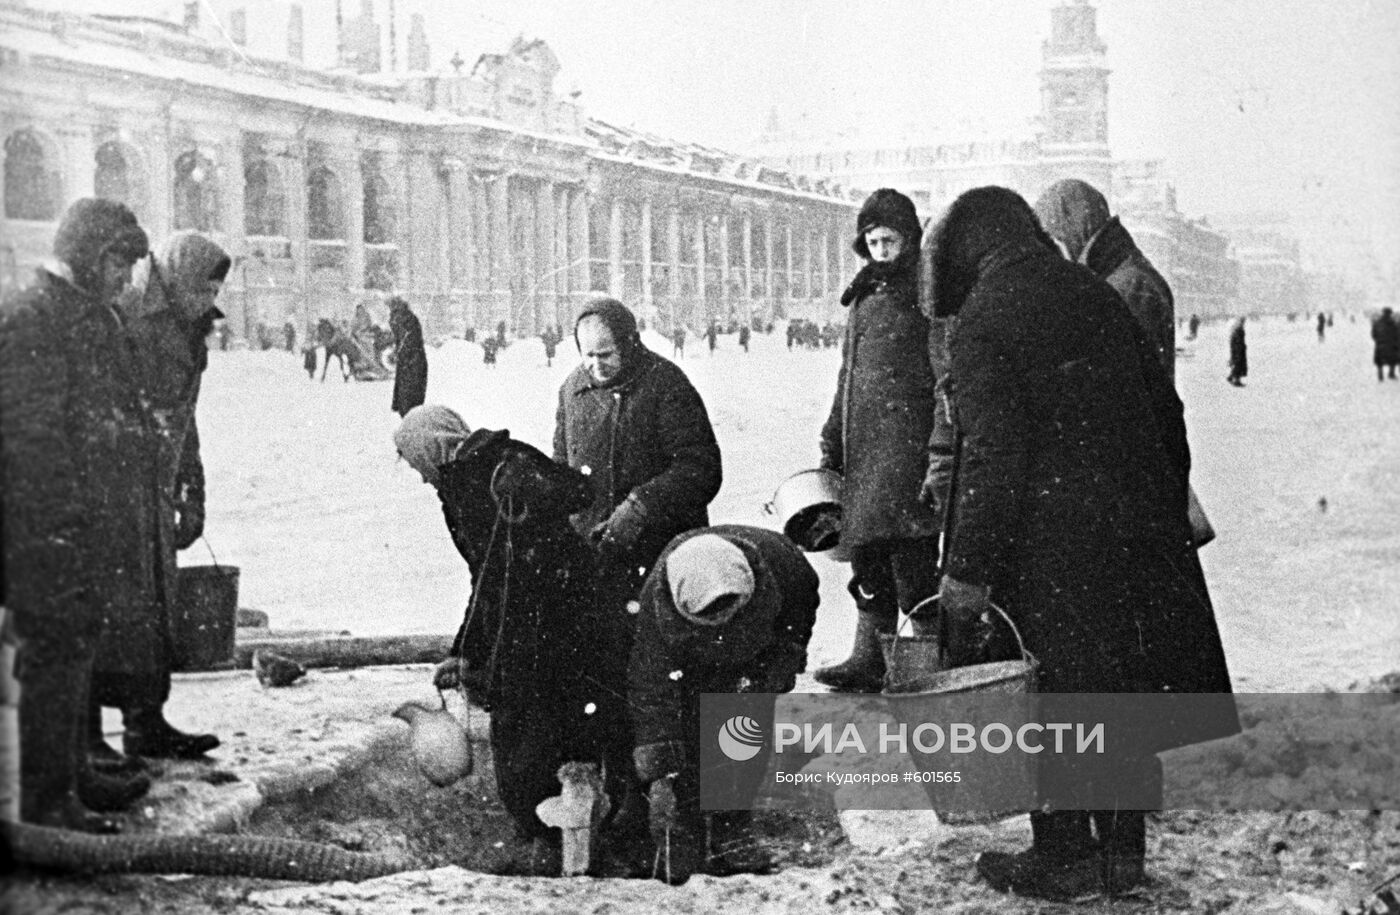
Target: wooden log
(347, 651)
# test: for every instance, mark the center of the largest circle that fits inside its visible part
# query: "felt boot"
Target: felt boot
(1060, 865)
(1122, 848)
(149, 734)
(101, 756)
(864, 670)
(53, 706)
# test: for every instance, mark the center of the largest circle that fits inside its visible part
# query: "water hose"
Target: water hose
(216, 856)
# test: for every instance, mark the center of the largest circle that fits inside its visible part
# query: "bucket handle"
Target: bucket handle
(1020, 642)
(210, 547)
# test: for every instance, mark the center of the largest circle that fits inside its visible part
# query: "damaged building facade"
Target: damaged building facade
(480, 193)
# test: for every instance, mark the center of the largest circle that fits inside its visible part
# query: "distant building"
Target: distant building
(482, 194)
(1069, 140)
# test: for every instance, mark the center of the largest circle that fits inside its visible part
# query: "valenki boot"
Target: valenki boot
(864, 670)
(149, 734)
(1123, 848)
(1061, 864)
(53, 702)
(101, 755)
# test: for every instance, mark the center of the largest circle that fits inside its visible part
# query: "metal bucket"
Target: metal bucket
(808, 507)
(204, 616)
(920, 677)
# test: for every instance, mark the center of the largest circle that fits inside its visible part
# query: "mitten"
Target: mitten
(623, 527)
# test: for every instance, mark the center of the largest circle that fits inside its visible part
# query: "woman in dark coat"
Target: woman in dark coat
(1076, 215)
(1385, 333)
(635, 423)
(410, 360)
(170, 311)
(726, 609)
(1239, 354)
(1068, 509)
(877, 436)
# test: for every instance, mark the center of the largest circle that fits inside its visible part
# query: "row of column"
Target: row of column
(810, 257)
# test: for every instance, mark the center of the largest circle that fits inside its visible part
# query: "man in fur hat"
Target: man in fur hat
(79, 481)
(726, 609)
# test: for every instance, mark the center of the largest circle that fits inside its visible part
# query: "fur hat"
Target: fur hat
(891, 209)
(93, 227)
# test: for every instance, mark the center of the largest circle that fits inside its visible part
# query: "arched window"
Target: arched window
(32, 188)
(117, 176)
(325, 205)
(379, 204)
(264, 200)
(196, 193)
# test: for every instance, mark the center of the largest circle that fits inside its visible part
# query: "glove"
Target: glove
(658, 760)
(189, 520)
(623, 527)
(449, 675)
(966, 610)
(778, 668)
(931, 490)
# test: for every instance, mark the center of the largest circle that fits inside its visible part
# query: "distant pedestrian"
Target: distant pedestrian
(501, 334)
(410, 359)
(1321, 326)
(1192, 326)
(744, 337)
(225, 335)
(1385, 332)
(678, 342)
(489, 346)
(1239, 355)
(711, 336)
(469, 334)
(308, 360)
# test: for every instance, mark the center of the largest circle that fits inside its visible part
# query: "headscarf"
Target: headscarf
(1072, 212)
(187, 262)
(704, 570)
(92, 227)
(430, 436)
(618, 319)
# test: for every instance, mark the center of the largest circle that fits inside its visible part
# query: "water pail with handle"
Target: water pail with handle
(920, 689)
(204, 616)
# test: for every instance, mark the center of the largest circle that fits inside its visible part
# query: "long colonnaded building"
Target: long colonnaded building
(481, 194)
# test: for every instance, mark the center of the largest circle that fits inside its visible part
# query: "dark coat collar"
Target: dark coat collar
(1109, 248)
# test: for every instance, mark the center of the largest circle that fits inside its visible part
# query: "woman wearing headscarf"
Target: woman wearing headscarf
(1069, 510)
(877, 436)
(632, 420)
(171, 310)
(530, 648)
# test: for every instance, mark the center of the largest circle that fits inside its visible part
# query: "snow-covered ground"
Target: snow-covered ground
(331, 531)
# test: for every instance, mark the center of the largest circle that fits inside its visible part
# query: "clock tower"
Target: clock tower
(1074, 98)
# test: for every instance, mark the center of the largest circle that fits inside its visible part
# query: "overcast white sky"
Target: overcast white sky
(1277, 105)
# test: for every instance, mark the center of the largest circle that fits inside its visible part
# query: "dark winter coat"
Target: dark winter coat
(1239, 351)
(81, 463)
(647, 435)
(1077, 214)
(771, 631)
(410, 360)
(1070, 487)
(1385, 333)
(1114, 257)
(878, 432)
(531, 622)
(171, 356)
